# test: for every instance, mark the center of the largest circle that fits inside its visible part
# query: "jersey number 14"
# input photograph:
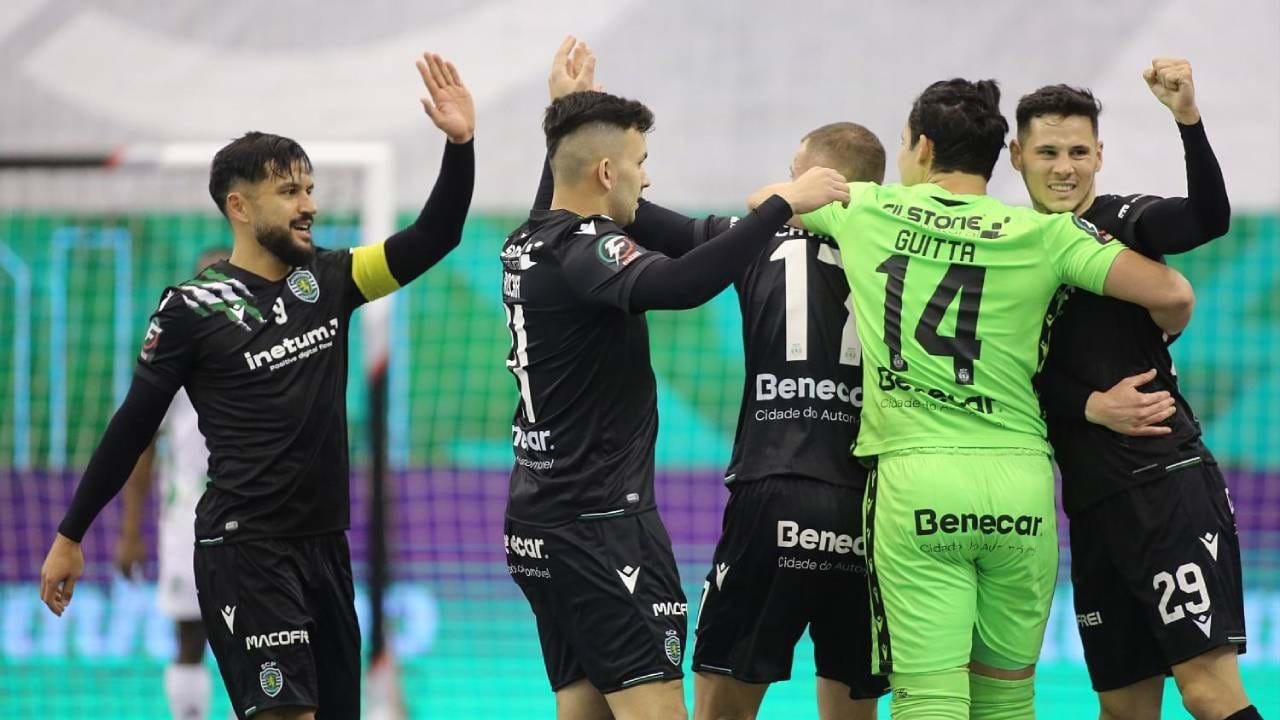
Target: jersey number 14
(964, 347)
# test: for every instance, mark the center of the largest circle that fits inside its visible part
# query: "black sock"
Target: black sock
(1249, 713)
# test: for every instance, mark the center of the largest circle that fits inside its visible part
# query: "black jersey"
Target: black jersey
(802, 397)
(265, 365)
(585, 427)
(1096, 342)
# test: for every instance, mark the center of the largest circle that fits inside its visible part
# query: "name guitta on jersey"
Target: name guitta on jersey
(291, 350)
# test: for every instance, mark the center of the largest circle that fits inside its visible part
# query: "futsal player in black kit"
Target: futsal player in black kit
(259, 342)
(583, 538)
(791, 554)
(1155, 556)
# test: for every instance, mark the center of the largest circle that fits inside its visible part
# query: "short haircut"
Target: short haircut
(590, 110)
(1063, 100)
(252, 158)
(848, 148)
(963, 120)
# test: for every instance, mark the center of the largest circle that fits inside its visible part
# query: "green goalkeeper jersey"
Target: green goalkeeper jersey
(951, 294)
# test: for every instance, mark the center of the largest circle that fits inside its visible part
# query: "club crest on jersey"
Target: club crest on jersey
(672, 646)
(617, 251)
(1101, 236)
(304, 285)
(271, 680)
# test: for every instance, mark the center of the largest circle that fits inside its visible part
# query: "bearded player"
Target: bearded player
(259, 343)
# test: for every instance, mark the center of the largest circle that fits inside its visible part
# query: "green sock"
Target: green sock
(995, 699)
(940, 695)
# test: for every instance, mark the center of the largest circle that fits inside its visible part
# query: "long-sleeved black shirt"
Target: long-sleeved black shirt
(1098, 341)
(265, 364)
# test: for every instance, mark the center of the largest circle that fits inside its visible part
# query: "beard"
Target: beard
(279, 241)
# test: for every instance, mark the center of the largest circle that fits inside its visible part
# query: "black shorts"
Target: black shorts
(1156, 576)
(607, 598)
(791, 555)
(281, 620)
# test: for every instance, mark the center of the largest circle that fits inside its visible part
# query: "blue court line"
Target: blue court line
(15, 268)
(62, 241)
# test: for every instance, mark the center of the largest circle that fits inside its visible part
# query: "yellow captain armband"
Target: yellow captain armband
(370, 272)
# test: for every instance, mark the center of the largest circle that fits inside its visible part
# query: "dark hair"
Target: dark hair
(571, 112)
(253, 157)
(850, 149)
(1061, 100)
(963, 120)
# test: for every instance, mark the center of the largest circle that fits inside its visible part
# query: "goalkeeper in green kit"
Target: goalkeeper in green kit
(954, 294)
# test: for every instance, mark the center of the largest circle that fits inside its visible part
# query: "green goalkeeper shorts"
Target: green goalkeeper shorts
(962, 558)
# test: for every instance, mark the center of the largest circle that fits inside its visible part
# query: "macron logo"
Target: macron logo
(722, 569)
(1204, 623)
(229, 617)
(1210, 542)
(629, 575)
(588, 228)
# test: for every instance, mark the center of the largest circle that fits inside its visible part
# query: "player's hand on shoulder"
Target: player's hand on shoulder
(130, 552)
(572, 70)
(1169, 79)
(449, 104)
(62, 568)
(816, 188)
(1127, 410)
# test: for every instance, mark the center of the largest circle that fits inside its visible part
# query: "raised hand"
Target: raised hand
(1129, 411)
(573, 69)
(1169, 79)
(449, 106)
(816, 188)
(62, 568)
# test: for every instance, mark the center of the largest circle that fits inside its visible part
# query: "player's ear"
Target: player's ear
(924, 152)
(605, 174)
(238, 207)
(1097, 169)
(1015, 154)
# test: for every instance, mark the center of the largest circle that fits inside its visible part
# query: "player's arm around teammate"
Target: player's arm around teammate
(748, 626)
(1058, 154)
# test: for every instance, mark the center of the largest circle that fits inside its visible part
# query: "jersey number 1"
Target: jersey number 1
(795, 269)
(964, 347)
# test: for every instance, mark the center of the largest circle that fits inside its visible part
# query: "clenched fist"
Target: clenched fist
(1169, 79)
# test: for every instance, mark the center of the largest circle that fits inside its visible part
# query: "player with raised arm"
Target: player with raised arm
(1155, 556)
(583, 538)
(950, 293)
(791, 554)
(259, 343)
(183, 471)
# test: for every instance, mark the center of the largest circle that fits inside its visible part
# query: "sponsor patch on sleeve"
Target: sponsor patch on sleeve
(616, 250)
(152, 340)
(1101, 236)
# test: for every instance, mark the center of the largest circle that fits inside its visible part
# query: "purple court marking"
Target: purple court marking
(446, 524)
